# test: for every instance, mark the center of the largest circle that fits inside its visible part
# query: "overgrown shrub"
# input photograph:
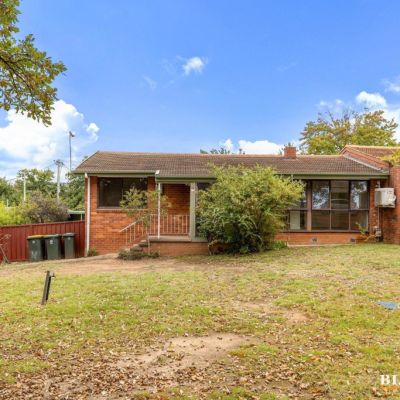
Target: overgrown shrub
(135, 253)
(41, 208)
(245, 207)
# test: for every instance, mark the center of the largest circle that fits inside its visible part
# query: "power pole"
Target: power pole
(59, 164)
(70, 135)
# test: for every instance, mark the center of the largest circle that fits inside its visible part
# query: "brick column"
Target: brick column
(390, 217)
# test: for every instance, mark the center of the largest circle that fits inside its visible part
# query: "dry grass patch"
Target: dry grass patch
(295, 323)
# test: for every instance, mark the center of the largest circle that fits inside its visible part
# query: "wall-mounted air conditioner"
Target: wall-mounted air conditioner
(384, 197)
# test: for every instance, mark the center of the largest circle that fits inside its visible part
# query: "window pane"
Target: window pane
(111, 189)
(110, 192)
(340, 195)
(302, 202)
(320, 220)
(297, 219)
(357, 219)
(320, 194)
(359, 195)
(138, 183)
(340, 220)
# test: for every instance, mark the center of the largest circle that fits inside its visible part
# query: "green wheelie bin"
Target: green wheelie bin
(35, 247)
(69, 245)
(53, 246)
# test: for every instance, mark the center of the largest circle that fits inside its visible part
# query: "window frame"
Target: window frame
(101, 207)
(309, 210)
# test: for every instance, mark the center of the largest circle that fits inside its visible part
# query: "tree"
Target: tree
(329, 134)
(245, 207)
(26, 74)
(73, 191)
(37, 180)
(40, 208)
(8, 193)
(141, 204)
(221, 150)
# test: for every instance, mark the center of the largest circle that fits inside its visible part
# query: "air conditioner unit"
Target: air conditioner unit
(384, 197)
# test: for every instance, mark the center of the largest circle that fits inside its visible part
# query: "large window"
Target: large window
(338, 205)
(111, 190)
(297, 215)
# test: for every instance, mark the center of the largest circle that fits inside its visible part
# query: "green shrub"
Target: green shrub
(136, 253)
(10, 215)
(277, 245)
(245, 207)
(92, 253)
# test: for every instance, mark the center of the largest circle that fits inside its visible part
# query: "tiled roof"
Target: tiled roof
(198, 165)
(375, 151)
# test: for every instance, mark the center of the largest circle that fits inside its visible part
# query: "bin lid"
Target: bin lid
(69, 234)
(34, 237)
(55, 235)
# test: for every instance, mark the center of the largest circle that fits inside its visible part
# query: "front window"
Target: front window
(111, 190)
(338, 205)
(297, 215)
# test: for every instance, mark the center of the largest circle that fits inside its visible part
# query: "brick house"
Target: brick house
(338, 197)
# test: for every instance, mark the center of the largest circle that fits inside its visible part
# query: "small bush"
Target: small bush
(92, 253)
(277, 245)
(135, 253)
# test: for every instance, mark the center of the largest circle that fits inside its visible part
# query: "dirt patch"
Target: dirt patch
(270, 309)
(295, 317)
(184, 352)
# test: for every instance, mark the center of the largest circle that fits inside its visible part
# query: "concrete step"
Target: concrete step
(143, 243)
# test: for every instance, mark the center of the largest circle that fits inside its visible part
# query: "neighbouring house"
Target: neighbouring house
(338, 197)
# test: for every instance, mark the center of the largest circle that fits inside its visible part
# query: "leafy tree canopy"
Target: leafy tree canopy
(245, 206)
(73, 191)
(37, 180)
(26, 73)
(330, 134)
(8, 193)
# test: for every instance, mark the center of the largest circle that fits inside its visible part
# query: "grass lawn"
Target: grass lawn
(292, 323)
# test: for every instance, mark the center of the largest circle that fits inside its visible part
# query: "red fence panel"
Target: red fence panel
(17, 247)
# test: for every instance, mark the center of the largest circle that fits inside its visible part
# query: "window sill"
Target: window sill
(109, 209)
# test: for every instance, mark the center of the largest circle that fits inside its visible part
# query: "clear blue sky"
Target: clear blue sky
(265, 66)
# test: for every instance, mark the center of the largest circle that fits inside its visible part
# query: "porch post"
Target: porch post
(159, 210)
(192, 210)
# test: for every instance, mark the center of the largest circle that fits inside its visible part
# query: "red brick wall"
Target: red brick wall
(179, 248)
(308, 238)
(106, 223)
(390, 217)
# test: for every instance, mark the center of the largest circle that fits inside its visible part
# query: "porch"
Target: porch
(175, 224)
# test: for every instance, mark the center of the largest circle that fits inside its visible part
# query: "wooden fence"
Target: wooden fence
(17, 247)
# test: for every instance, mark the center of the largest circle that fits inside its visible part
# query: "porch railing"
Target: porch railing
(170, 224)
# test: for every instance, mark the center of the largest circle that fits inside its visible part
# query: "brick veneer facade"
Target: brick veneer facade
(106, 223)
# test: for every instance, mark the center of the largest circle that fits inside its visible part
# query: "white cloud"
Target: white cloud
(26, 143)
(392, 86)
(194, 64)
(150, 82)
(335, 106)
(371, 100)
(260, 147)
(256, 147)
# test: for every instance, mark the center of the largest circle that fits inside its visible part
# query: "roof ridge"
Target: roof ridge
(372, 147)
